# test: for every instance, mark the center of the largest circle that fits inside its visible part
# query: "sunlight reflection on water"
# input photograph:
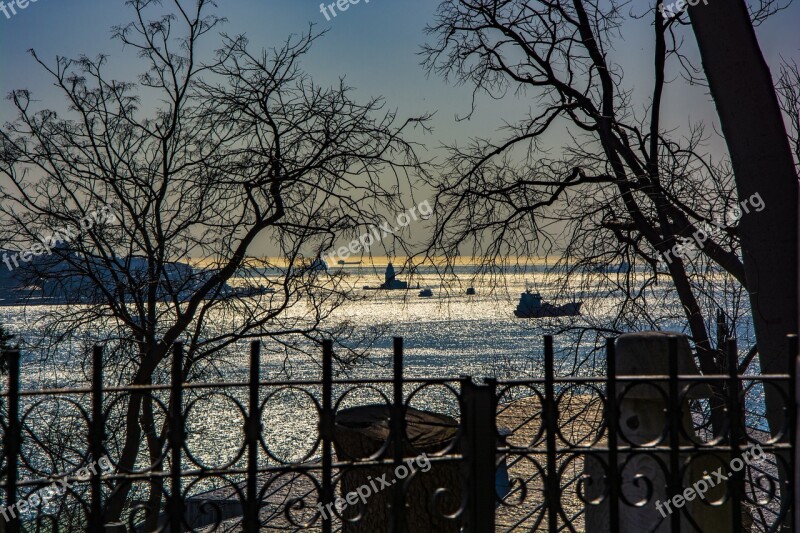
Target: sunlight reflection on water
(446, 336)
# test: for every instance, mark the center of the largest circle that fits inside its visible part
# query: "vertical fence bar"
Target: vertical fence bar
(794, 453)
(790, 492)
(479, 449)
(485, 447)
(12, 437)
(96, 437)
(176, 439)
(613, 428)
(552, 492)
(326, 433)
(251, 519)
(467, 465)
(398, 432)
(736, 481)
(674, 413)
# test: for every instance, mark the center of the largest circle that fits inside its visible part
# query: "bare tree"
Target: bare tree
(763, 163)
(201, 158)
(789, 93)
(622, 190)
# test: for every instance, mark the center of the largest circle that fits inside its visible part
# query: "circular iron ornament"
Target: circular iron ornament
(293, 503)
(337, 406)
(354, 513)
(316, 407)
(722, 466)
(447, 388)
(26, 428)
(107, 416)
(626, 388)
(771, 490)
(586, 481)
(347, 515)
(515, 484)
(438, 498)
(69, 495)
(438, 503)
(144, 511)
(42, 517)
(649, 490)
(786, 503)
(459, 430)
(639, 479)
(539, 435)
(522, 481)
(37, 506)
(212, 507)
(561, 396)
(299, 504)
(242, 447)
(692, 437)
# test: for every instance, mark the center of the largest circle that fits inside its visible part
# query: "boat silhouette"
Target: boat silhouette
(531, 306)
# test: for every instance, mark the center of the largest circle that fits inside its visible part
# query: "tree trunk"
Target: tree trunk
(133, 435)
(751, 120)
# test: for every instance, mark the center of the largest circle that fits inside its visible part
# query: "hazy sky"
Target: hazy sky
(375, 45)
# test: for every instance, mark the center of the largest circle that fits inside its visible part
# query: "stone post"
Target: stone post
(642, 420)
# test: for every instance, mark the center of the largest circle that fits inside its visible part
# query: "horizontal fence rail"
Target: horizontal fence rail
(626, 451)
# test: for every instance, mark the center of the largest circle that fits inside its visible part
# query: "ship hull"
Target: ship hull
(547, 310)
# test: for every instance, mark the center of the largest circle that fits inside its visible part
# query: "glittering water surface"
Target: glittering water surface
(446, 336)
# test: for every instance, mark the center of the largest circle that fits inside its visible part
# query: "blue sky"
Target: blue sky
(374, 45)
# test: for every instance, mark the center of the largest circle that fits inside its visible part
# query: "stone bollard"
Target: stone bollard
(642, 420)
(360, 433)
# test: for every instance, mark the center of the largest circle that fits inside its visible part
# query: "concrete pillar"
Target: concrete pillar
(361, 432)
(642, 420)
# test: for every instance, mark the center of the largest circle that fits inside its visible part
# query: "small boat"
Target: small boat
(471, 291)
(531, 306)
(425, 293)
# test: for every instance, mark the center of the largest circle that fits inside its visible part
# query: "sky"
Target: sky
(374, 45)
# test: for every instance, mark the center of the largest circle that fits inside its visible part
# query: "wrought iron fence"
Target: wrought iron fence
(554, 453)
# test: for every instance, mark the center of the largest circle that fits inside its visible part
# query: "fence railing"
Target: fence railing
(553, 453)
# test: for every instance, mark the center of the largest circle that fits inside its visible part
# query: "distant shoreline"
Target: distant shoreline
(380, 261)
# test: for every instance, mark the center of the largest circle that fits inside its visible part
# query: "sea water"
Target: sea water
(447, 336)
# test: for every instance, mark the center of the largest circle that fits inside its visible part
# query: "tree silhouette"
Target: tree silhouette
(201, 158)
(622, 189)
(5, 344)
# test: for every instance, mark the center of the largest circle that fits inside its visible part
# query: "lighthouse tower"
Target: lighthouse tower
(389, 276)
(390, 282)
